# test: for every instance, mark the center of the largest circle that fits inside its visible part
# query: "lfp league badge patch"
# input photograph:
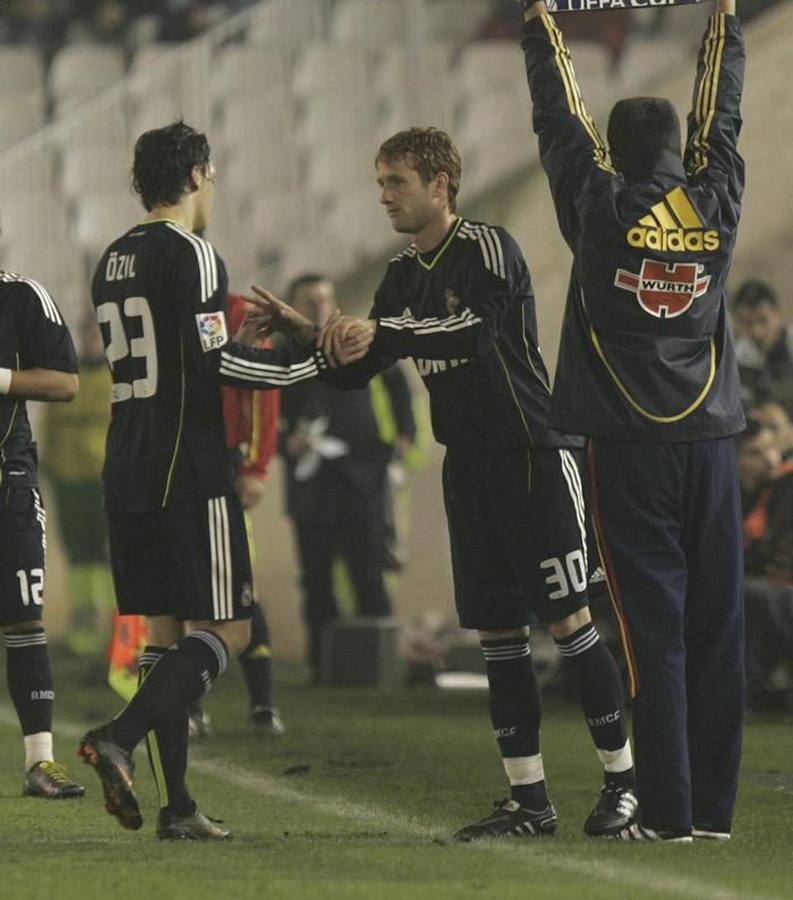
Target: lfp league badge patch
(212, 330)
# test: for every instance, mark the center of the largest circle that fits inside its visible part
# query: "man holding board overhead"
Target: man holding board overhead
(647, 371)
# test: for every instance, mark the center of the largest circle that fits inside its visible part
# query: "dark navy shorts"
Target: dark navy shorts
(22, 543)
(189, 560)
(517, 527)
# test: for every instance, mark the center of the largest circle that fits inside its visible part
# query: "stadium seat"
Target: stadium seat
(232, 237)
(61, 270)
(105, 124)
(323, 68)
(148, 54)
(369, 22)
(489, 66)
(242, 70)
(80, 71)
(21, 70)
(20, 115)
(592, 65)
(143, 31)
(432, 64)
(279, 216)
(333, 169)
(103, 216)
(87, 168)
(329, 253)
(28, 175)
(37, 239)
(242, 264)
(32, 216)
(331, 119)
(231, 213)
(285, 22)
(153, 113)
(246, 166)
(361, 218)
(488, 161)
(398, 97)
(261, 119)
(644, 62)
(493, 117)
(455, 20)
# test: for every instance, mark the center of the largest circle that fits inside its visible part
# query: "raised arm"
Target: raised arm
(714, 122)
(571, 149)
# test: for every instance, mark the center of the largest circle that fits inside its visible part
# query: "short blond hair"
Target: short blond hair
(429, 151)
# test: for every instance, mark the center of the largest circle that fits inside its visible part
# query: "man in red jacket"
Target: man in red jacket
(251, 437)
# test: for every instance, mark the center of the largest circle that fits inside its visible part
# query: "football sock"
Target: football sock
(182, 675)
(602, 699)
(515, 712)
(166, 747)
(29, 678)
(38, 748)
(256, 663)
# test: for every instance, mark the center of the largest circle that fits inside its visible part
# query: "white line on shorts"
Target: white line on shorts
(618, 872)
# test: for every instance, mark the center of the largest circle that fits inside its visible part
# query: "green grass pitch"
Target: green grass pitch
(358, 799)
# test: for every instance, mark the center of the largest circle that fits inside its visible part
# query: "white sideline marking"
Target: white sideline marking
(620, 873)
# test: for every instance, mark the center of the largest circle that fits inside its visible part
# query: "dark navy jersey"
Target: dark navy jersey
(465, 314)
(32, 336)
(160, 295)
(646, 352)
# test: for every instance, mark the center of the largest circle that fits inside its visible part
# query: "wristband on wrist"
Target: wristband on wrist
(5, 381)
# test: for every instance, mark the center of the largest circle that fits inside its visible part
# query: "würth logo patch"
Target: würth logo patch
(664, 290)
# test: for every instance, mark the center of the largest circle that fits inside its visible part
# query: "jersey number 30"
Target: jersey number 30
(119, 346)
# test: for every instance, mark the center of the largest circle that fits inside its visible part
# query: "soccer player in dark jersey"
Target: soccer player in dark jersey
(177, 535)
(647, 370)
(459, 301)
(37, 362)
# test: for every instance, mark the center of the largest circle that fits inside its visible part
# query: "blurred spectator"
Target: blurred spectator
(774, 416)
(764, 345)
(47, 24)
(251, 437)
(183, 20)
(99, 22)
(73, 454)
(37, 22)
(336, 479)
(767, 493)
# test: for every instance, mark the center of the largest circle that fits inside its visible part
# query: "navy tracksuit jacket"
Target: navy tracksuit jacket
(647, 371)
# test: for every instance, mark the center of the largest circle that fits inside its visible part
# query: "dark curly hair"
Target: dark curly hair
(164, 158)
(754, 293)
(429, 151)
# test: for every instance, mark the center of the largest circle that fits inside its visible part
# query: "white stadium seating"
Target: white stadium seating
(296, 99)
(369, 22)
(20, 115)
(242, 70)
(80, 71)
(21, 69)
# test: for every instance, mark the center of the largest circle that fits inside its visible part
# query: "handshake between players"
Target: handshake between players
(342, 340)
